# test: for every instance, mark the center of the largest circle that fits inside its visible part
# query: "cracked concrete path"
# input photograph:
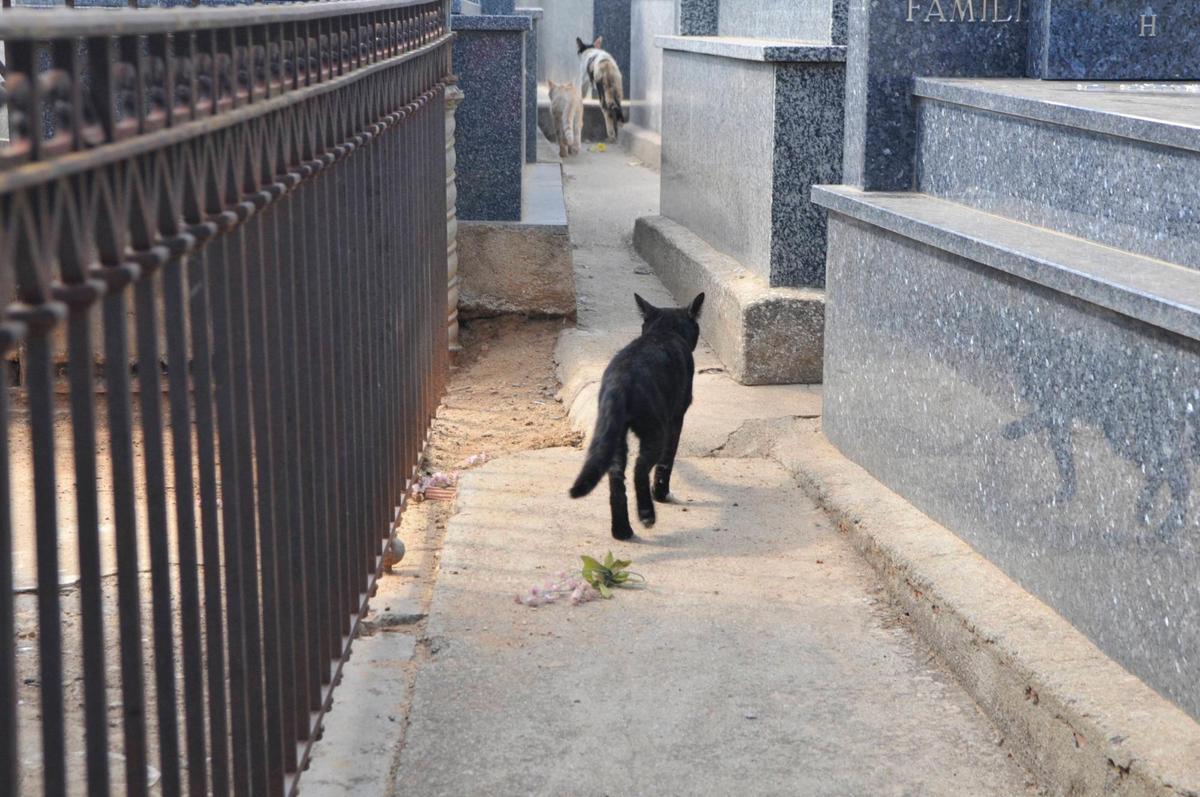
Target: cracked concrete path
(762, 657)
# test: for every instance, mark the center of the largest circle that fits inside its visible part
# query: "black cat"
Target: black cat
(647, 388)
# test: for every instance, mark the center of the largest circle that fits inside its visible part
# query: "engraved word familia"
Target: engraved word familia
(964, 10)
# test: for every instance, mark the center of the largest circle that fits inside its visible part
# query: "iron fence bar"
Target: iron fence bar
(175, 312)
(269, 537)
(232, 470)
(279, 327)
(373, 315)
(40, 319)
(210, 530)
(154, 467)
(80, 294)
(11, 333)
(241, 377)
(120, 429)
(312, 445)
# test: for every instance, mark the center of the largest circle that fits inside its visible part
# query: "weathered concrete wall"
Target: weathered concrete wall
(514, 268)
(650, 18)
(562, 21)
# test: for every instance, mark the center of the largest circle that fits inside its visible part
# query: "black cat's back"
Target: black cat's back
(647, 388)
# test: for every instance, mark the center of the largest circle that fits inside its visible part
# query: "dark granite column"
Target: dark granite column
(489, 59)
(697, 17)
(610, 19)
(891, 42)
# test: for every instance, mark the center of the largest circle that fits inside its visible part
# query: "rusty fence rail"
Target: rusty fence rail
(223, 307)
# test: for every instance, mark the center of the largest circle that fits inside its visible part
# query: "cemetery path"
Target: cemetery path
(761, 657)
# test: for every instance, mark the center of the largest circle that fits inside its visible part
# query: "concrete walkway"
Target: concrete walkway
(762, 656)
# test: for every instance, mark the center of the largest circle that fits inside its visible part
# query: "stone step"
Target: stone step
(1152, 291)
(1116, 164)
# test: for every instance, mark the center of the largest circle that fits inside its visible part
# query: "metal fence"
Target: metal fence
(223, 265)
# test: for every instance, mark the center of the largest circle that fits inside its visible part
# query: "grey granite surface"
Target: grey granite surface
(465, 7)
(497, 6)
(717, 166)
(697, 17)
(531, 82)
(543, 200)
(1160, 294)
(839, 21)
(775, 19)
(496, 22)
(752, 49)
(489, 59)
(1117, 191)
(1159, 113)
(649, 18)
(1056, 438)
(611, 19)
(1105, 40)
(886, 50)
(740, 181)
(562, 22)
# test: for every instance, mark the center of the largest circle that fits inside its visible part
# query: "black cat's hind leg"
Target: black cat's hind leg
(666, 463)
(648, 454)
(618, 505)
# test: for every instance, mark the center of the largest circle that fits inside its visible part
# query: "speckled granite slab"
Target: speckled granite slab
(611, 19)
(1112, 166)
(697, 17)
(489, 59)
(1058, 438)
(1114, 39)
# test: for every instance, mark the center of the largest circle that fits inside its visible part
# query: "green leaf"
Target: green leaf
(619, 565)
(590, 564)
(605, 592)
(620, 578)
(608, 561)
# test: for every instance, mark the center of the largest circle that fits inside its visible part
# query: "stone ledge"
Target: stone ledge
(1153, 291)
(1157, 113)
(509, 267)
(1081, 722)
(747, 49)
(763, 335)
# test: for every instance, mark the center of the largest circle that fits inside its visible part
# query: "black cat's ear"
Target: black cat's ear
(644, 306)
(599, 42)
(579, 43)
(697, 303)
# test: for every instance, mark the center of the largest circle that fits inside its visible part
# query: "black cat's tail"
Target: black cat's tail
(611, 427)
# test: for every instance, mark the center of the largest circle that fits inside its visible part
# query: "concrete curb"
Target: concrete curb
(1078, 720)
(763, 335)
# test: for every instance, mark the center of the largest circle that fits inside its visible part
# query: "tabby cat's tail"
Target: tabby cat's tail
(611, 427)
